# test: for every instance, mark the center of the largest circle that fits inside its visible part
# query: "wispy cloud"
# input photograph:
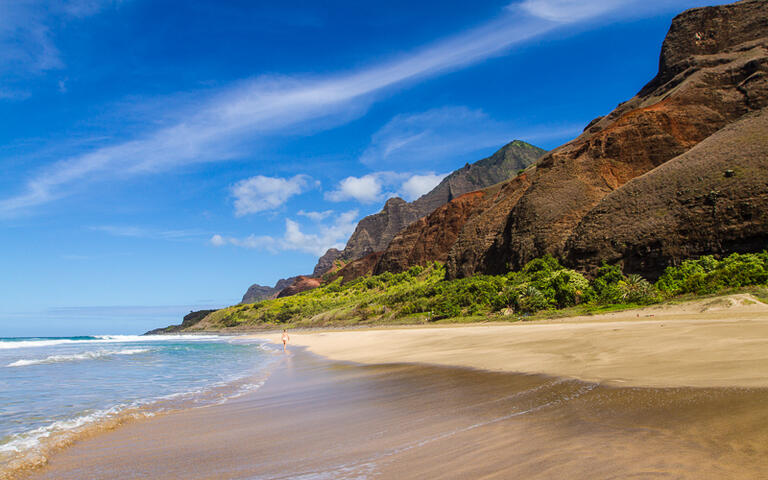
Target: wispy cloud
(295, 238)
(86, 257)
(568, 11)
(575, 11)
(225, 122)
(316, 216)
(430, 139)
(129, 311)
(26, 40)
(133, 231)
(268, 105)
(260, 193)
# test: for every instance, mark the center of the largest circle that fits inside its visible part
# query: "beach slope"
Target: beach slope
(713, 342)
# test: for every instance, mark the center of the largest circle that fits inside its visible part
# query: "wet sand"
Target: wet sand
(317, 419)
(665, 392)
(715, 342)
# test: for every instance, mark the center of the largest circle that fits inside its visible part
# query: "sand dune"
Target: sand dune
(714, 342)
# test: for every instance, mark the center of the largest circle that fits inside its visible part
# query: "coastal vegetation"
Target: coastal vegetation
(542, 287)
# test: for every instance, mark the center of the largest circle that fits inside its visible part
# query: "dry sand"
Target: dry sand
(715, 342)
(319, 419)
(315, 419)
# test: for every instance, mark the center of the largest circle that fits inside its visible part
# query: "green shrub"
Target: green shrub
(541, 284)
(606, 283)
(636, 289)
(541, 268)
(673, 280)
(531, 300)
(445, 309)
(709, 275)
(570, 288)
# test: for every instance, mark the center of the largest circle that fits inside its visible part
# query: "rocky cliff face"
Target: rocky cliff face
(327, 262)
(712, 72)
(257, 293)
(300, 284)
(458, 232)
(430, 238)
(502, 165)
(698, 119)
(357, 268)
(374, 232)
(712, 199)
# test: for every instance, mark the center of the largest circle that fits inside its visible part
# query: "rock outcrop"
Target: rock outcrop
(257, 293)
(712, 72)
(327, 262)
(191, 319)
(430, 238)
(300, 284)
(713, 199)
(374, 232)
(506, 163)
(358, 268)
(467, 226)
(675, 172)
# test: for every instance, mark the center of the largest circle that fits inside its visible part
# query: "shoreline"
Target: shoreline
(711, 342)
(316, 418)
(31, 445)
(685, 358)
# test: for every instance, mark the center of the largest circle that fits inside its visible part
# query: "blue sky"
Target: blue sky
(160, 156)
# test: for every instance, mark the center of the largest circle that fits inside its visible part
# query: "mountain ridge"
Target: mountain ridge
(374, 232)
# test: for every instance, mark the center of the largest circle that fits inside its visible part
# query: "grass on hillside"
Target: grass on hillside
(542, 289)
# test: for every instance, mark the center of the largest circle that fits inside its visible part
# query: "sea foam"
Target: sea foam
(101, 381)
(6, 344)
(93, 355)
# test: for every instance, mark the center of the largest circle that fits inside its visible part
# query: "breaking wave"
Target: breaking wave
(75, 357)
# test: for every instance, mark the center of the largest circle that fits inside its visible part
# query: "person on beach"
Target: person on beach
(286, 338)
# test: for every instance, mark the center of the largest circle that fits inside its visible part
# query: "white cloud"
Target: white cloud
(260, 193)
(133, 231)
(575, 11)
(418, 185)
(224, 122)
(295, 238)
(261, 242)
(365, 189)
(316, 216)
(218, 241)
(379, 186)
(570, 11)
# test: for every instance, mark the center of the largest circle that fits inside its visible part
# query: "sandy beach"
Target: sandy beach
(676, 395)
(714, 342)
(316, 419)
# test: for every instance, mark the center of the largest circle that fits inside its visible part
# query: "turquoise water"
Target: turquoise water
(51, 389)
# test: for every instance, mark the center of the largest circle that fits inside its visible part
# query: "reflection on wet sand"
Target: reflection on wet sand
(316, 419)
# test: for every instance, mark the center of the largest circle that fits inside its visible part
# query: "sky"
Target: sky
(161, 156)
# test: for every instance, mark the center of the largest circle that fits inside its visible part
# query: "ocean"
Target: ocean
(54, 390)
